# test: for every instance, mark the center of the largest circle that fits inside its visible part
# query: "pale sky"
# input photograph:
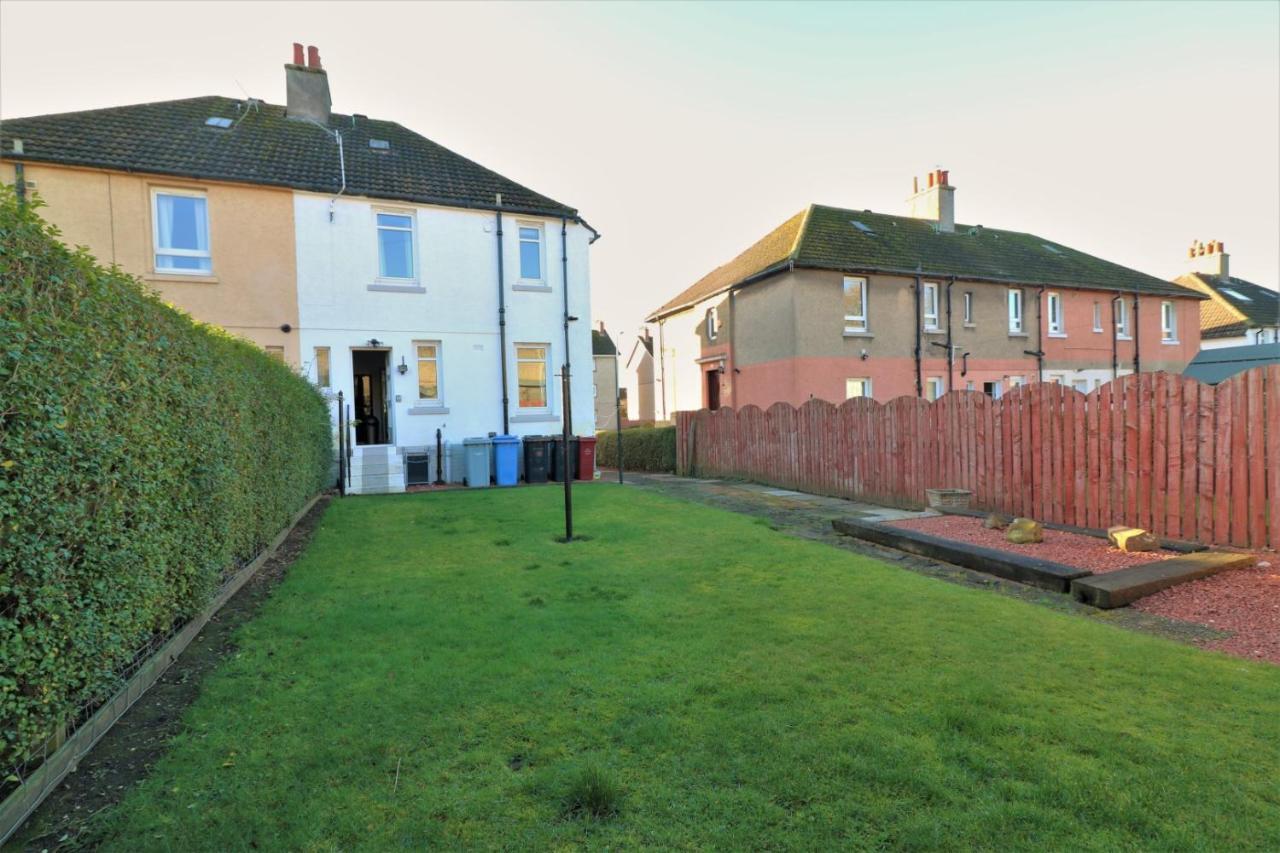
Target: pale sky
(685, 131)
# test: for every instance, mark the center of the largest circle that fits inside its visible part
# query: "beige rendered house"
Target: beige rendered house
(223, 251)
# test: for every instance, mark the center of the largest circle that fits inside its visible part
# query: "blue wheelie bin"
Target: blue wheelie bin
(506, 460)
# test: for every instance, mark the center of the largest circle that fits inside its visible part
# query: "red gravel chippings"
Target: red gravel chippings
(1070, 549)
(1245, 602)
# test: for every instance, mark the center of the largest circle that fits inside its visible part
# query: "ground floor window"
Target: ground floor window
(531, 375)
(428, 355)
(322, 366)
(857, 388)
(933, 388)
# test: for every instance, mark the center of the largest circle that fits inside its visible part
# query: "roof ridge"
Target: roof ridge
(127, 106)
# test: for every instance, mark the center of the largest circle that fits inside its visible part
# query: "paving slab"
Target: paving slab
(1124, 586)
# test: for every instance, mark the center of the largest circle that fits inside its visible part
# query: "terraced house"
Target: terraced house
(1237, 312)
(439, 297)
(837, 303)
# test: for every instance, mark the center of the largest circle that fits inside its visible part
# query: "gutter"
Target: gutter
(1115, 338)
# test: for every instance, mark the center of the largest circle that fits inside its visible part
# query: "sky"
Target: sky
(683, 132)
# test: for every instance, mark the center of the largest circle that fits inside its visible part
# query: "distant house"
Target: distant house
(435, 294)
(1237, 312)
(837, 303)
(604, 355)
(640, 382)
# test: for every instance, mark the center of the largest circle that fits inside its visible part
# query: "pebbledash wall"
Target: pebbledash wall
(343, 305)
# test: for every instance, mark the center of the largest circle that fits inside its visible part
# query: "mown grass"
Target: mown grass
(438, 671)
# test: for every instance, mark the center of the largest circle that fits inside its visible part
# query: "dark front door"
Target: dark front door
(371, 410)
(713, 389)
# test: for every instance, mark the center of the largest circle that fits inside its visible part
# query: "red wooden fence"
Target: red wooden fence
(1154, 450)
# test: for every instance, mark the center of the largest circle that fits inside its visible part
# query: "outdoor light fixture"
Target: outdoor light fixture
(402, 368)
(374, 342)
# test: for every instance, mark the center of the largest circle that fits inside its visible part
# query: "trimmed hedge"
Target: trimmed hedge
(143, 456)
(643, 449)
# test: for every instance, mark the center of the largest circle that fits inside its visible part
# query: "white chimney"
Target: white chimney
(934, 199)
(307, 87)
(1209, 259)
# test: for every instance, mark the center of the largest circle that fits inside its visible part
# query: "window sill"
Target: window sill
(1171, 343)
(1098, 331)
(428, 410)
(939, 332)
(1056, 335)
(181, 278)
(544, 418)
(969, 325)
(855, 334)
(1018, 335)
(397, 288)
(1124, 337)
(532, 287)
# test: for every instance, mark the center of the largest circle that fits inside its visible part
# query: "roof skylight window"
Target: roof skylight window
(1053, 249)
(1235, 293)
(862, 227)
(218, 121)
(379, 144)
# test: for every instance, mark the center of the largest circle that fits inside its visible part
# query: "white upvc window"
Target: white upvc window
(531, 254)
(1122, 318)
(929, 306)
(1097, 316)
(1168, 322)
(857, 388)
(968, 307)
(427, 354)
(1081, 385)
(531, 376)
(1057, 322)
(933, 388)
(395, 245)
(855, 304)
(1015, 381)
(713, 323)
(322, 366)
(180, 232)
(1015, 311)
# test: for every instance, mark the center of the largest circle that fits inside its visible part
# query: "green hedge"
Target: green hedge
(643, 449)
(143, 456)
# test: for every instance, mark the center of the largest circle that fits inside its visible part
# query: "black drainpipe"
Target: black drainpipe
(1115, 341)
(502, 325)
(564, 282)
(20, 183)
(950, 349)
(1136, 362)
(1040, 335)
(662, 365)
(919, 366)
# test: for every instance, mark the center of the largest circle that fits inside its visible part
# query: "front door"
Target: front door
(372, 411)
(713, 389)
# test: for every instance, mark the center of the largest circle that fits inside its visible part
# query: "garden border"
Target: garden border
(27, 797)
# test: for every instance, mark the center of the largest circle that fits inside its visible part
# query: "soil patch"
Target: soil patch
(1069, 549)
(127, 752)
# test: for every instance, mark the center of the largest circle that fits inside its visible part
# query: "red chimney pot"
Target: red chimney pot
(297, 54)
(944, 175)
(313, 57)
(932, 175)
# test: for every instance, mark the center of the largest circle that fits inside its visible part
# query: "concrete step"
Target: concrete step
(1124, 586)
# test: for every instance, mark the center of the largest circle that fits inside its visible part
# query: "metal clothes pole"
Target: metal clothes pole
(566, 465)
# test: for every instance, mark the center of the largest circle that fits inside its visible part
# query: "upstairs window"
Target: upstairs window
(531, 375)
(1057, 325)
(713, 323)
(929, 306)
(968, 307)
(1015, 311)
(1122, 318)
(428, 372)
(531, 253)
(395, 245)
(180, 220)
(1097, 316)
(1168, 323)
(855, 304)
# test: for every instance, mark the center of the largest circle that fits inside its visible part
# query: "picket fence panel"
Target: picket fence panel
(1154, 450)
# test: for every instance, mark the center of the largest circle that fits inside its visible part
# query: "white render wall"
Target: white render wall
(456, 262)
(677, 345)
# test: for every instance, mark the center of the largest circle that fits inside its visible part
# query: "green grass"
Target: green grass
(438, 671)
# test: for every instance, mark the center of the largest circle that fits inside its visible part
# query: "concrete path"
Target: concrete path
(809, 517)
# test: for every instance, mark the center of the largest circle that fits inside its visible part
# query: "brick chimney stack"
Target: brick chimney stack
(935, 201)
(307, 86)
(1210, 259)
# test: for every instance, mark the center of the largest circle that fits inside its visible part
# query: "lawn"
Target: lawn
(437, 670)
